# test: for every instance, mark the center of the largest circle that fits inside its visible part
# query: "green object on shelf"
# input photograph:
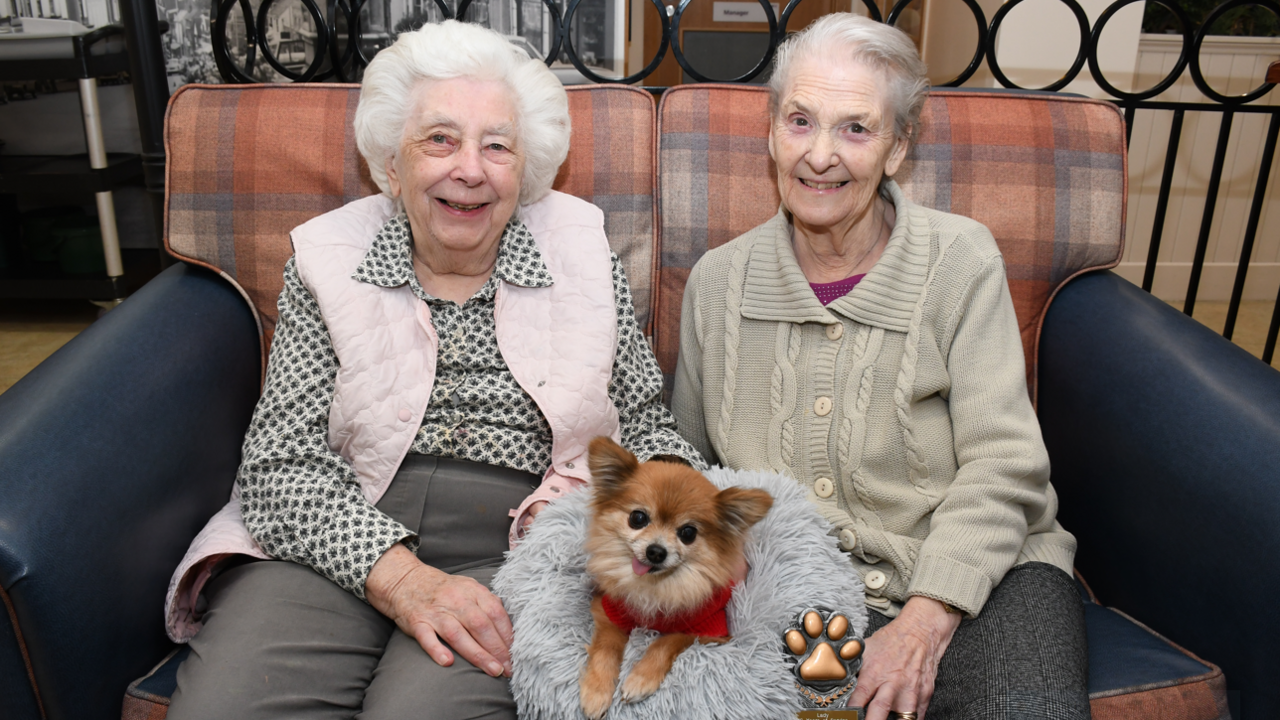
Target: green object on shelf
(80, 249)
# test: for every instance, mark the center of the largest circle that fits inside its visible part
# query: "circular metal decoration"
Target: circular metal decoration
(1096, 38)
(587, 72)
(979, 17)
(1198, 75)
(674, 36)
(1082, 20)
(322, 40)
(221, 56)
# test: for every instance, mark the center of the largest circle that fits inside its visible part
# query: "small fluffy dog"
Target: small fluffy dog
(663, 545)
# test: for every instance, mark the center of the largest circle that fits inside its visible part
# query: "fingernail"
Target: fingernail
(495, 669)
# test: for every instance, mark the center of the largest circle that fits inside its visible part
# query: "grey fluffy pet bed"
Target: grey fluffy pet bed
(794, 565)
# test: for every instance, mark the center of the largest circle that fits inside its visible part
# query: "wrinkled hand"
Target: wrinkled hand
(433, 606)
(530, 513)
(901, 660)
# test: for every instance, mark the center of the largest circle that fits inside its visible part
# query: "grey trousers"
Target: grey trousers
(280, 640)
(1024, 656)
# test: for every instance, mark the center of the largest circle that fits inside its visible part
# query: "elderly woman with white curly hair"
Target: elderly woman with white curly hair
(868, 347)
(445, 352)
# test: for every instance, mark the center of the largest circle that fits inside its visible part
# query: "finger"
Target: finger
(486, 633)
(465, 645)
(492, 607)
(882, 703)
(435, 649)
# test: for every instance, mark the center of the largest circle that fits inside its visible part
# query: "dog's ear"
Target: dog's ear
(739, 509)
(611, 465)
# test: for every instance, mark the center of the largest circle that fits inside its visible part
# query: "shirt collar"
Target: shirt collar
(389, 261)
(777, 290)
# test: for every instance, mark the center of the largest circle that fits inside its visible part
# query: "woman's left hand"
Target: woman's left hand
(531, 513)
(901, 660)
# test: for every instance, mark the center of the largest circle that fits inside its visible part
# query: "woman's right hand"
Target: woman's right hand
(431, 606)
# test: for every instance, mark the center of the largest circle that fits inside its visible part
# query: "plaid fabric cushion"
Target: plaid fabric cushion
(248, 163)
(1046, 174)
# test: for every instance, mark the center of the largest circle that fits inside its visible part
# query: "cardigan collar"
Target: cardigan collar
(777, 290)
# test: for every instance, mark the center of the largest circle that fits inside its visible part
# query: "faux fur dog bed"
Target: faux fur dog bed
(794, 565)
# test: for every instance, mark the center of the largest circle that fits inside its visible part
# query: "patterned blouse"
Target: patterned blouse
(302, 501)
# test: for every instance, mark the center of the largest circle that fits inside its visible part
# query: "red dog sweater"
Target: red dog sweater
(710, 620)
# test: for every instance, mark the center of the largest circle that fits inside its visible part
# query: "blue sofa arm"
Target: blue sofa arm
(1165, 446)
(113, 454)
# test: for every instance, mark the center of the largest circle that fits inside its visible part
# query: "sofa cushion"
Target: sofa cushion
(1136, 673)
(1045, 173)
(248, 163)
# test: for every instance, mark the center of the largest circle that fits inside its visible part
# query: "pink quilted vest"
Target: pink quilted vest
(559, 343)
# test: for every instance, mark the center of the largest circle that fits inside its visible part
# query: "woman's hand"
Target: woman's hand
(530, 514)
(901, 660)
(430, 606)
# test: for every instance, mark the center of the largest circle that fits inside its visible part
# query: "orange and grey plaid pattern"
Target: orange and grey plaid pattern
(1046, 174)
(248, 163)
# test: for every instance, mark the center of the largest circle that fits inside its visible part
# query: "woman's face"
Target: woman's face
(832, 140)
(459, 166)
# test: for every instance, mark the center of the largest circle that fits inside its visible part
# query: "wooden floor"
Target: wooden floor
(31, 331)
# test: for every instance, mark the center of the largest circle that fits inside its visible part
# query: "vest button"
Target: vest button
(824, 487)
(822, 406)
(835, 331)
(405, 414)
(875, 580)
(848, 539)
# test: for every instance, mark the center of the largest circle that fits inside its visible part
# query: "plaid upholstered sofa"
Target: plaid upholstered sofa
(1164, 438)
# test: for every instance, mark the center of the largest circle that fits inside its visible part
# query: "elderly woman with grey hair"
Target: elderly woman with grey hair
(868, 347)
(445, 352)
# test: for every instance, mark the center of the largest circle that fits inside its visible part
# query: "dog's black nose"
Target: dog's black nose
(656, 554)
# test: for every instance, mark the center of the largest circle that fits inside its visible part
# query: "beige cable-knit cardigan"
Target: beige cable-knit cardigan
(902, 406)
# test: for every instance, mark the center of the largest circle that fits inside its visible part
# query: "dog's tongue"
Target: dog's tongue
(638, 567)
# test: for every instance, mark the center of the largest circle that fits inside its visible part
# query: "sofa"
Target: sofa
(1164, 438)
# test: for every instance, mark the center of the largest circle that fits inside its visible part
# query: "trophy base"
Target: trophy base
(831, 714)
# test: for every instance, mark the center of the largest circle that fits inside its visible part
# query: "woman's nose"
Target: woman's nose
(822, 154)
(468, 167)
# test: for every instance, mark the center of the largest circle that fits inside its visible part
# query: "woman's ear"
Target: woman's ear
(898, 153)
(393, 180)
(611, 465)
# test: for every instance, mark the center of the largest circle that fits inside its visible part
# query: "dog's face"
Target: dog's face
(661, 536)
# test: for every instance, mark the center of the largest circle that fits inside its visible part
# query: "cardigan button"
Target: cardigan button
(848, 539)
(824, 487)
(569, 465)
(822, 406)
(405, 415)
(875, 580)
(835, 331)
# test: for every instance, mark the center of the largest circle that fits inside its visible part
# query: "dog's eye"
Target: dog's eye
(687, 534)
(638, 519)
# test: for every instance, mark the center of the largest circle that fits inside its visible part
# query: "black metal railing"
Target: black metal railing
(343, 47)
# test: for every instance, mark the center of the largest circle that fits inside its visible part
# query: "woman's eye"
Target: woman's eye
(800, 122)
(497, 147)
(638, 519)
(687, 534)
(439, 139)
(856, 129)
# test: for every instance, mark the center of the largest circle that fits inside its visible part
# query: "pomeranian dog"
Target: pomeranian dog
(664, 546)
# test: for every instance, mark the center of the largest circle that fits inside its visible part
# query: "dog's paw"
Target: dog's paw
(595, 699)
(826, 657)
(640, 684)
